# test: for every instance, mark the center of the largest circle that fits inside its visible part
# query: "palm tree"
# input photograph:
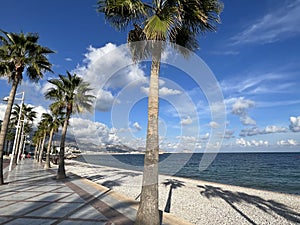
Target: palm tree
(156, 23)
(37, 138)
(54, 121)
(70, 94)
(43, 129)
(19, 53)
(27, 117)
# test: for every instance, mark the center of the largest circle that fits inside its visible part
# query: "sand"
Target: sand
(200, 202)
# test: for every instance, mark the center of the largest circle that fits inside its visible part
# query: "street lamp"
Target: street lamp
(17, 128)
(21, 145)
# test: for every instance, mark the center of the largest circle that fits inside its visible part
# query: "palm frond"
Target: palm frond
(121, 13)
(19, 52)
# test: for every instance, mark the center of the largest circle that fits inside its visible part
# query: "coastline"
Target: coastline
(199, 202)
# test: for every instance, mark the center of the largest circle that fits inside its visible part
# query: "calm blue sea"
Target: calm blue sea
(278, 172)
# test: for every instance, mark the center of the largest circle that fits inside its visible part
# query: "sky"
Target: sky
(238, 92)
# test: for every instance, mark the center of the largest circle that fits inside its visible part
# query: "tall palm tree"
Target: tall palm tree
(36, 139)
(27, 117)
(69, 93)
(54, 121)
(156, 23)
(19, 53)
(43, 129)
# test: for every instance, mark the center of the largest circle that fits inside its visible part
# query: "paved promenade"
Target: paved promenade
(34, 196)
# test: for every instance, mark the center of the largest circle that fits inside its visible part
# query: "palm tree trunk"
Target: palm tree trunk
(42, 149)
(6, 147)
(148, 213)
(36, 151)
(61, 172)
(5, 123)
(47, 164)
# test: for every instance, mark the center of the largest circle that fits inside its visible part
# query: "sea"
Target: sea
(279, 172)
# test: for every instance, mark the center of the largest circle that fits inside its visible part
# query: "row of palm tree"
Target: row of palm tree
(27, 116)
(21, 53)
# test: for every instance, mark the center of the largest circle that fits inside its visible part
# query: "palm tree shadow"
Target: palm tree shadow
(111, 184)
(266, 206)
(174, 184)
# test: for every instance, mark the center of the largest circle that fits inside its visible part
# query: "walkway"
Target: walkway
(34, 196)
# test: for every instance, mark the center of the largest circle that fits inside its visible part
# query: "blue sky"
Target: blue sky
(254, 57)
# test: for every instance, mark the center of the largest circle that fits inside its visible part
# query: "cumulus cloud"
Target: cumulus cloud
(90, 132)
(229, 134)
(247, 120)
(289, 142)
(137, 126)
(205, 136)
(267, 130)
(186, 121)
(254, 143)
(240, 108)
(105, 100)
(109, 68)
(214, 124)
(295, 124)
(250, 132)
(274, 129)
(167, 91)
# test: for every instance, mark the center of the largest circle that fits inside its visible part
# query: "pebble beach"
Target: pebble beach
(199, 202)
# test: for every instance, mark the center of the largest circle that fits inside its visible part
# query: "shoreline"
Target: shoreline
(197, 201)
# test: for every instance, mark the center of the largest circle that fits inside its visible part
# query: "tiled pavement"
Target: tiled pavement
(34, 196)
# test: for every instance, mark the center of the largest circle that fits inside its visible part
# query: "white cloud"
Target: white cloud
(229, 134)
(246, 120)
(289, 142)
(240, 108)
(40, 110)
(186, 121)
(295, 124)
(274, 129)
(256, 82)
(105, 100)
(254, 143)
(268, 130)
(164, 91)
(109, 68)
(214, 124)
(2, 110)
(137, 126)
(90, 132)
(250, 132)
(205, 136)
(242, 142)
(167, 91)
(278, 25)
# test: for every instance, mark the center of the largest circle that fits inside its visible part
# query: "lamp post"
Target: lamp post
(17, 130)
